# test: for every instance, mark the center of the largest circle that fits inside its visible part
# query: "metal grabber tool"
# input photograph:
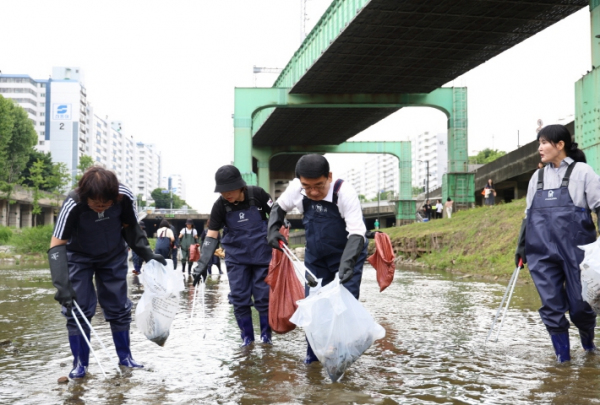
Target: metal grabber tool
(510, 288)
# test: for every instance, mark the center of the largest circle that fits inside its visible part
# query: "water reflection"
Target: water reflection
(433, 351)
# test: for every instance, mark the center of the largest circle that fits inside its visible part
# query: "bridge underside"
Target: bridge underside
(403, 47)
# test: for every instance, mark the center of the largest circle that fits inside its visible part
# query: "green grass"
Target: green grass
(5, 234)
(32, 240)
(475, 241)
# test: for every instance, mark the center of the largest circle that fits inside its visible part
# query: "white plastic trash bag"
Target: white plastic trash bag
(338, 328)
(590, 275)
(159, 302)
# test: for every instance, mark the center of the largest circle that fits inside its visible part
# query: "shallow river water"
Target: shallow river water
(433, 352)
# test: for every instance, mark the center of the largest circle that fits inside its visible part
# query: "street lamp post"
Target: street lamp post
(427, 177)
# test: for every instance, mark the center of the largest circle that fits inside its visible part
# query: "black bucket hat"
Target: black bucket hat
(228, 178)
(189, 221)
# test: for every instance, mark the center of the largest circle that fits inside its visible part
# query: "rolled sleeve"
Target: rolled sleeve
(292, 197)
(351, 210)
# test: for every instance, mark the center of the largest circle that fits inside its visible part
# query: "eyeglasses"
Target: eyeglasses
(319, 187)
(99, 205)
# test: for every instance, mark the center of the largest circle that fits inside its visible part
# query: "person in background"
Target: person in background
(135, 258)
(175, 246)
(243, 211)
(96, 223)
(164, 239)
(427, 209)
(560, 198)
(439, 209)
(490, 193)
(188, 236)
(376, 224)
(333, 222)
(448, 206)
(216, 260)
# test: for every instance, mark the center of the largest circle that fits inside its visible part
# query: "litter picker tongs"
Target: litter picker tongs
(301, 271)
(97, 337)
(202, 288)
(511, 288)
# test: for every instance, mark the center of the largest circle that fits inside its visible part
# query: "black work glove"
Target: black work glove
(208, 250)
(371, 234)
(276, 218)
(59, 271)
(520, 252)
(138, 242)
(354, 247)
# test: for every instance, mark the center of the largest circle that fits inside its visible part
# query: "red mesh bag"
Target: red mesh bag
(383, 260)
(285, 288)
(194, 253)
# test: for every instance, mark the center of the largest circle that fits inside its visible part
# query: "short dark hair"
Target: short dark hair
(99, 184)
(164, 224)
(556, 133)
(312, 167)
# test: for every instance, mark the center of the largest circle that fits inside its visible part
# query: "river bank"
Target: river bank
(478, 242)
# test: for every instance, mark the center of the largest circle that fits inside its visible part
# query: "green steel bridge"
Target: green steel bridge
(366, 59)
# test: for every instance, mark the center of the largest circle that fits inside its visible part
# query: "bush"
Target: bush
(5, 234)
(33, 240)
(152, 242)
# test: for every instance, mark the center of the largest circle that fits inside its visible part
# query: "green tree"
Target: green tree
(486, 156)
(17, 139)
(163, 200)
(416, 191)
(85, 162)
(37, 178)
(46, 159)
(362, 198)
(59, 180)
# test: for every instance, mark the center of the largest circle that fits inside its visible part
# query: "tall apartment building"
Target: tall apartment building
(148, 167)
(69, 127)
(379, 173)
(431, 148)
(31, 95)
(174, 182)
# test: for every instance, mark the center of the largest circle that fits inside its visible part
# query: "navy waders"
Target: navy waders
(97, 251)
(555, 227)
(326, 238)
(247, 260)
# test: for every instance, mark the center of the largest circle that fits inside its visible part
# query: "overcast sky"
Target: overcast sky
(168, 70)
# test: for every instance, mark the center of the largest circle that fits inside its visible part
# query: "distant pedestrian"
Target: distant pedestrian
(164, 240)
(376, 224)
(427, 209)
(489, 193)
(448, 206)
(439, 209)
(189, 237)
(175, 246)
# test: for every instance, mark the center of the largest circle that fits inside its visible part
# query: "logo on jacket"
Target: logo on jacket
(241, 215)
(551, 196)
(242, 219)
(319, 208)
(54, 256)
(101, 214)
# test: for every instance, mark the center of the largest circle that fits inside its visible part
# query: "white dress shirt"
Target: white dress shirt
(348, 204)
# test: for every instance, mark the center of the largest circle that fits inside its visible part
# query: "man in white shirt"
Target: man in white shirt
(333, 221)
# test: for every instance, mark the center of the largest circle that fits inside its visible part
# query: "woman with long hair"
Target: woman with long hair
(560, 199)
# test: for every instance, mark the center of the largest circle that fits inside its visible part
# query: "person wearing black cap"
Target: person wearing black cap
(333, 221)
(189, 237)
(242, 211)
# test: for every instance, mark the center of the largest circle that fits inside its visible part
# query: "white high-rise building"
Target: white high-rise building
(432, 149)
(31, 95)
(174, 182)
(148, 169)
(379, 173)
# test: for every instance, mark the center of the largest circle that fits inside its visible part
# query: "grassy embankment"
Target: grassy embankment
(27, 244)
(479, 241)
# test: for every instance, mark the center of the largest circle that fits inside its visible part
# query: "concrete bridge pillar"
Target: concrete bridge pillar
(14, 215)
(26, 215)
(48, 215)
(4, 213)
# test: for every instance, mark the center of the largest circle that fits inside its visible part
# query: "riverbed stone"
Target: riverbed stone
(63, 380)
(5, 342)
